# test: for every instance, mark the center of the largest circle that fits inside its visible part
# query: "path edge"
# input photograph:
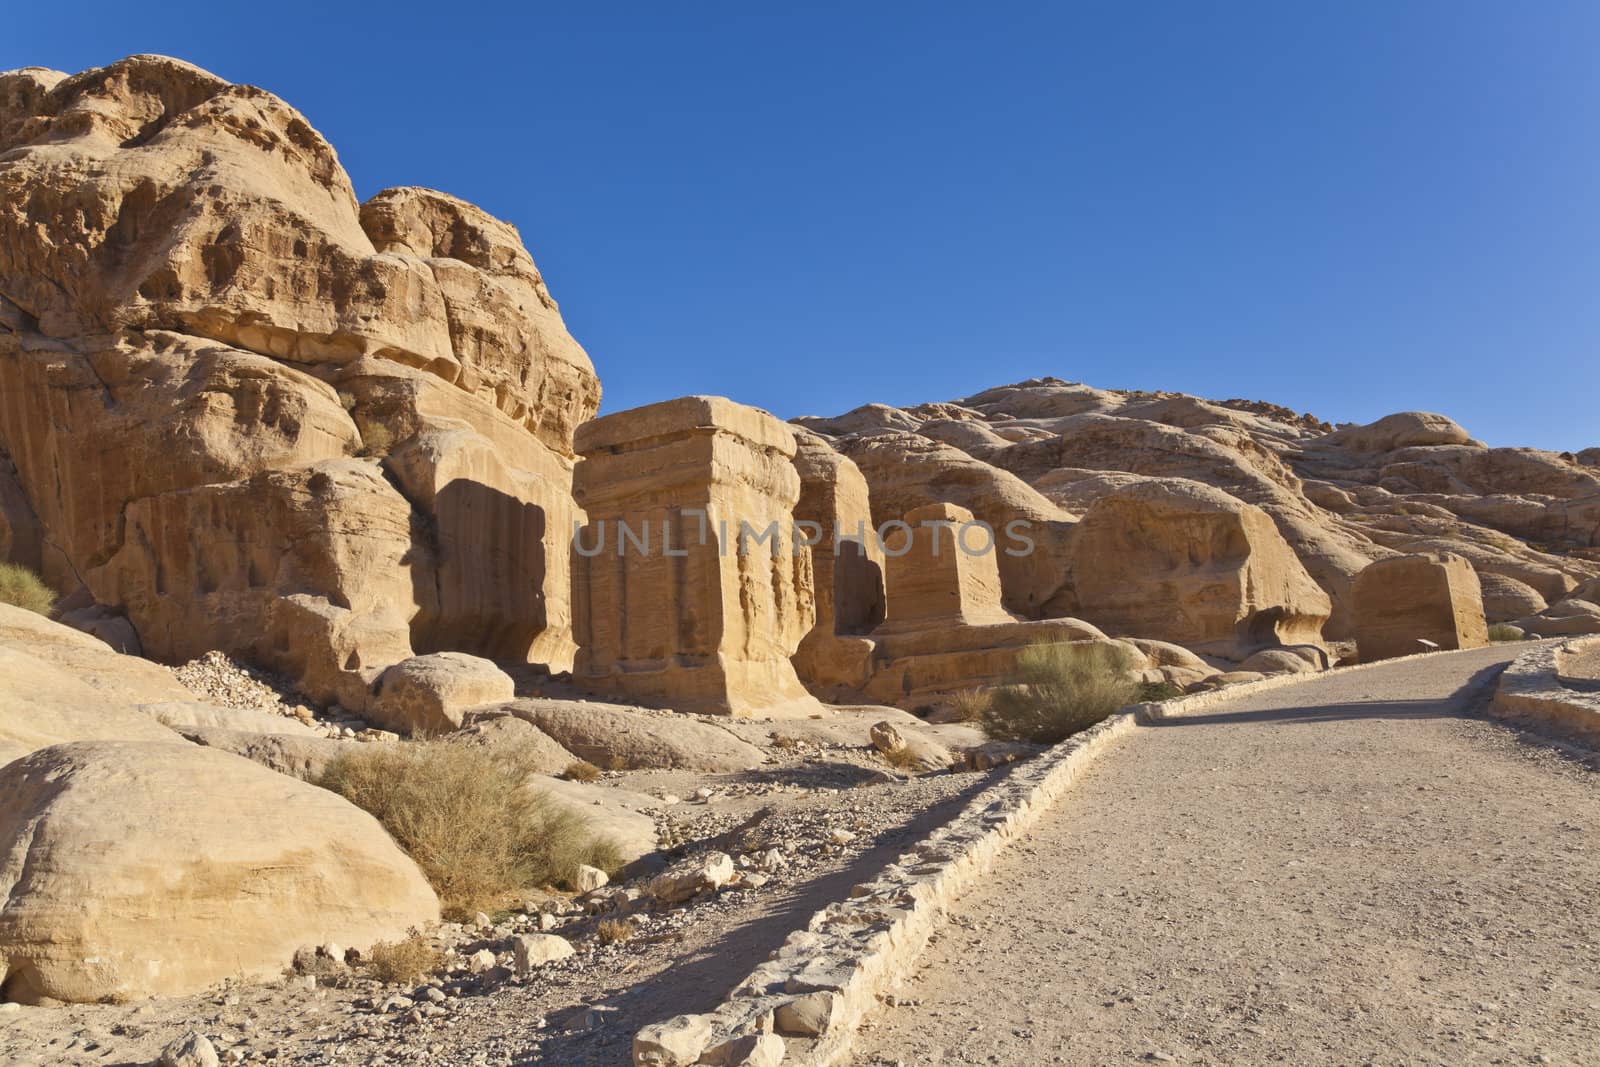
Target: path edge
(802, 1007)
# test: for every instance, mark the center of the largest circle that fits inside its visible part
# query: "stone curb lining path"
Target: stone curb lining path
(804, 1005)
(1531, 693)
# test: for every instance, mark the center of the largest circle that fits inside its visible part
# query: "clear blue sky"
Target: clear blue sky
(1351, 208)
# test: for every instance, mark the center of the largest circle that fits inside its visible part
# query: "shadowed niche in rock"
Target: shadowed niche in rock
(857, 590)
(488, 597)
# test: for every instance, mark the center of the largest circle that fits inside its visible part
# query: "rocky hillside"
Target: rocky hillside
(241, 410)
(1109, 475)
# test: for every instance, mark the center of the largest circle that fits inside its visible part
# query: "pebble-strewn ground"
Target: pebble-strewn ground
(834, 814)
(1346, 872)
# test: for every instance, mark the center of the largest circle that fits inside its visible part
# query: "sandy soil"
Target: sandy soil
(1355, 871)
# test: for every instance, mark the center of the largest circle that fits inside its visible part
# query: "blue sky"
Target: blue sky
(1348, 208)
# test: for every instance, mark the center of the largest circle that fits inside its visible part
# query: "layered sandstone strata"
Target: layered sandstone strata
(248, 412)
(692, 589)
(1405, 601)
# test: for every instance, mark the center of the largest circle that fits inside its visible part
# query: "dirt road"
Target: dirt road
(1357, 870)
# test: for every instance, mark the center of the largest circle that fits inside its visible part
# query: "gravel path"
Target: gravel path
(1353, 871)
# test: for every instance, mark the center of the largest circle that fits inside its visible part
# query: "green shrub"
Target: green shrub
(1504, 631)
(22, 588)
(1060, 689)
(469, 817)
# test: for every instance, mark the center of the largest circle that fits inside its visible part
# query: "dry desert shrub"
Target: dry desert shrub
(1504, 631)
(581, 771)
(404, 962)
(610, 931)
(469, 817)
(1060, 689)
(22, 588)
(902, 758)
(1156, 692)
(970, 704)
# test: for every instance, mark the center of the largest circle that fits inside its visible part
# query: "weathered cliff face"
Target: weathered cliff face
(1340, 499)
(251, 413)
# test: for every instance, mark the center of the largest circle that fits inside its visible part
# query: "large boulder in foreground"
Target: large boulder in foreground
(58, 685)
(133, 869)
(1178, 561)
(1404, 601)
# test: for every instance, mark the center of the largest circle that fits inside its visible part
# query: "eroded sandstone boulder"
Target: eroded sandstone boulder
(428, 695)
(1182, 562)
(59, 685)
(1406, 600)
(621, 738)
(111, 890)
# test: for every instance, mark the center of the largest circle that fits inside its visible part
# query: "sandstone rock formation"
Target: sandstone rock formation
(59, 685)
(430, 694)
(1182, 562)
(1340, 498)
(112, 890)
(247, 412)
(692, 592)
(623, 738)
(847, 567)
(1406, 600)
(943, 571)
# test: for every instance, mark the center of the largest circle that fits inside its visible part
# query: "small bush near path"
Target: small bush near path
(1504, 631)
(1156, 692)
(404, 962)
(469, 817)
(970, 704)
(24, 589)
(581, 771)
(611, 931)
(1060, 689)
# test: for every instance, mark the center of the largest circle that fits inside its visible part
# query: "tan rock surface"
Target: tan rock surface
(1182, 562)
(847, 566)
(942, 572)
(112, 890)
(615, 737)
(428, 695)
(192, 301)
(698, 612)
(59, 685)
(1408, 599)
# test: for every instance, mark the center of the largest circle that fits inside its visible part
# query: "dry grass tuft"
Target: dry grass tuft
(1059, 690)
(901, 758)
(481, 834)
(581, 771)
(404, 962)
(611, 931)
(22, 588)
(1504, 631)
(970, 704)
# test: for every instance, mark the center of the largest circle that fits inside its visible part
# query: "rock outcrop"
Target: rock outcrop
(112, 890)
(1405, 601)
(1046, 451)
(59, 685)
(693, 593)
(249, 413)
(1182, 562)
